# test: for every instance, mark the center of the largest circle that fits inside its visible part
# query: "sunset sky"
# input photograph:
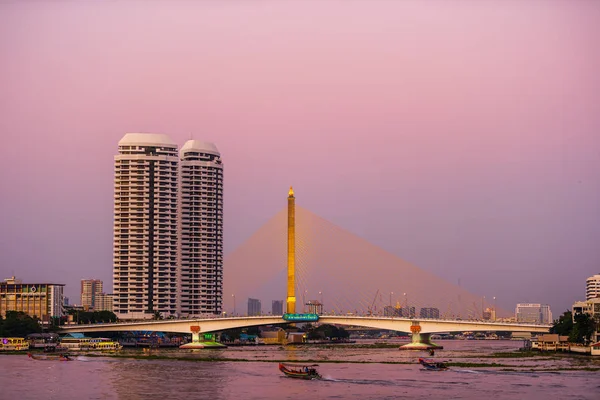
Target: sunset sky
(461, 136)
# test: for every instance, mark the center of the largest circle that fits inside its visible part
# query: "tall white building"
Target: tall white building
(145, 226)
(534, 313)
(592, 287)
(201, 241)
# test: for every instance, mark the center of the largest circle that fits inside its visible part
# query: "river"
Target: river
(349, 372)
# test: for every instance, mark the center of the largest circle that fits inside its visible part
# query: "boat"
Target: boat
(13, 344)
(48, 357)
(432, 365)
(299, 371)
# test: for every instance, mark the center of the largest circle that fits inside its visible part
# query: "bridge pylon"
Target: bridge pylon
(419, 340)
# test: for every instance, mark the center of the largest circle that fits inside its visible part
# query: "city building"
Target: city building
(201, 240)
(254, 307)
(41, 300)
(277, 307)
(391, 311)
(592, 287)
(314, 307)
(90, 288)
(430, 312)
(407, 312)
(104, 302)
(534, 313)
(145, 248)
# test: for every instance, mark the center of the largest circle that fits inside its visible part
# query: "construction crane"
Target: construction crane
(370, 311)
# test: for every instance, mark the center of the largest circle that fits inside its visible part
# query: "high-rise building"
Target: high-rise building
(592, 287)
(201, 241)
(534, 313)
(145, 226)
(104, 302)
(90, 288)
(41, 300)
(254, 307)
(277, 307)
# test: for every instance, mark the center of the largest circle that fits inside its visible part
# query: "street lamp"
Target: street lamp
(391, 293)
(494, 308)
(482, 300)
(304, 301)
(233, 295)
(321, 295)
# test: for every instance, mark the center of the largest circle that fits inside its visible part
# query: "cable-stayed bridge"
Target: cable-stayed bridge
(347, 274)
(341, 270)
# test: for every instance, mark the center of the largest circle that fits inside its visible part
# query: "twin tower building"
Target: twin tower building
(168, 228)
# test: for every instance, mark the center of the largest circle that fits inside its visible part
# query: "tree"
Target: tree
(19, 324)
(583, 329)
(328, 331)
(563, 325)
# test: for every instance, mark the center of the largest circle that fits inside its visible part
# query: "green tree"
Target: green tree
(583, 329)
(328, 331)
(563, 325)
(19, 324)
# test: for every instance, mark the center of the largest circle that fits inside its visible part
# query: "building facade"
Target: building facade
(201, 229)
(145, 276)
(104, 302)
(592, 287)
(41, 300)
(277, 307)
(254, 307)
(90, 289)
(534, 313)
(429, 312)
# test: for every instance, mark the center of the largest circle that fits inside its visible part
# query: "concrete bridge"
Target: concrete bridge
(421, 328)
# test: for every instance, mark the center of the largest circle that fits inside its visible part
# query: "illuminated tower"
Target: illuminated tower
(291, 297)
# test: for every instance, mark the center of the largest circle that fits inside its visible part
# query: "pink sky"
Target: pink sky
(462, 136)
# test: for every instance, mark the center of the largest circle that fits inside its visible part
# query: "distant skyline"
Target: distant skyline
(463, 137)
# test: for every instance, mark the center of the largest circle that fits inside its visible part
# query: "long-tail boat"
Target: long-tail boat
(48, 357)
(432, 365)
(299, 371)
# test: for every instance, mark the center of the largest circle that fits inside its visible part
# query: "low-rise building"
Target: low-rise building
(590, 307)
(41, 300)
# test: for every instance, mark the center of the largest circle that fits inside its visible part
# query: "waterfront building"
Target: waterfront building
(534, 313)
(277, 307)
(90, 288)
(201, 240)
(41, 300)
(145, 226)
(254, 307)
(590, 307)
(592, 287)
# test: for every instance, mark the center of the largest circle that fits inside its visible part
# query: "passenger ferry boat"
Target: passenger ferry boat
(89, 344)
(104, 344)
(13, 344)
(75, 343)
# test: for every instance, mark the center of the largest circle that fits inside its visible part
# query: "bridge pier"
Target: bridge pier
(196, 343)
(419, 340)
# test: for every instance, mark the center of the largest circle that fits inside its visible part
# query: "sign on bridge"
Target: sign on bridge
(301, 317)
